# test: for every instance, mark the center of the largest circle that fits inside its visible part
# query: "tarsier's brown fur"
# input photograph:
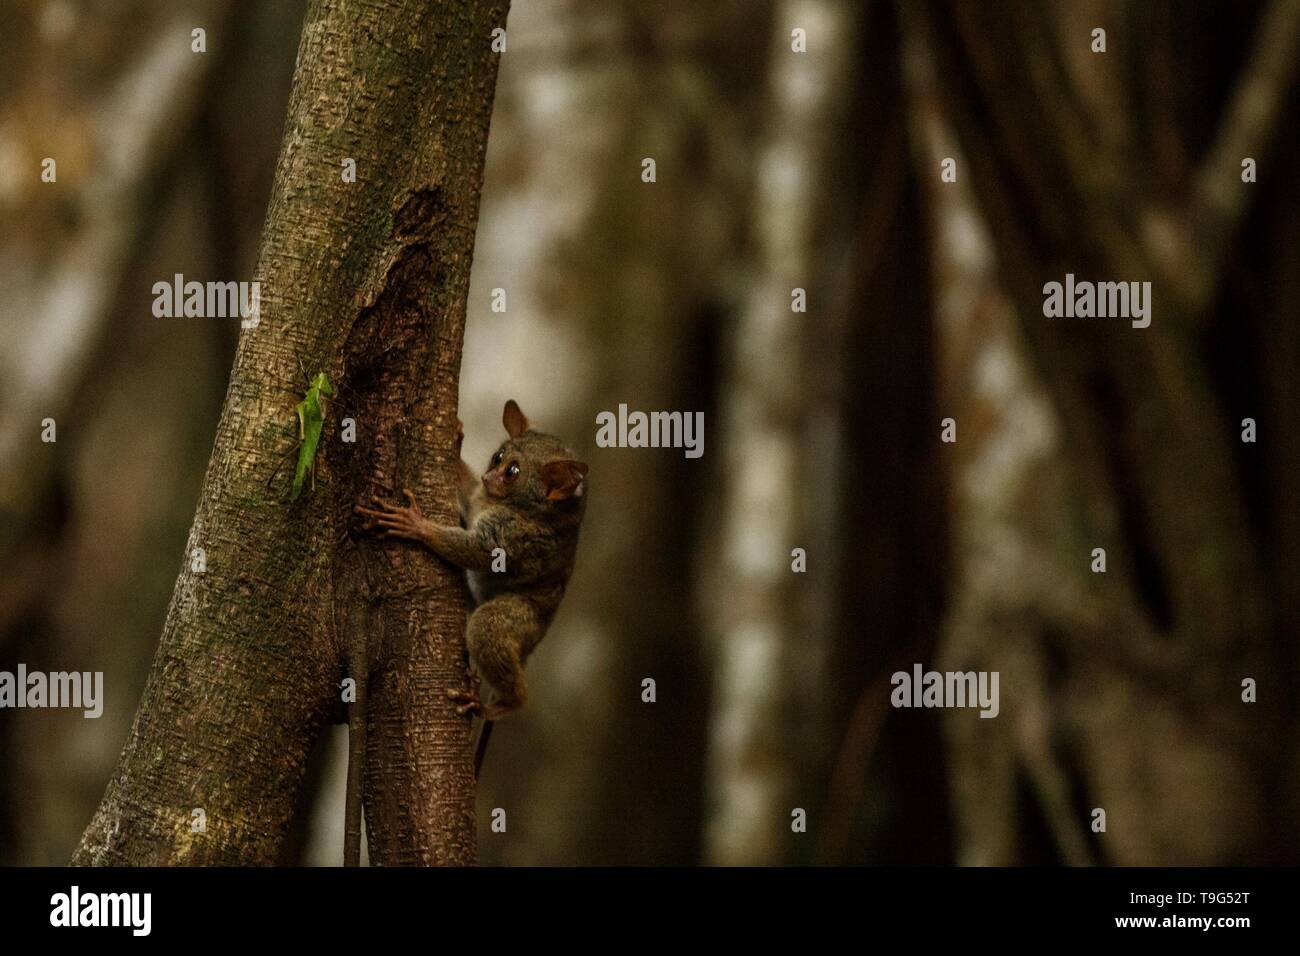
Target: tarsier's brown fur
(529, 504)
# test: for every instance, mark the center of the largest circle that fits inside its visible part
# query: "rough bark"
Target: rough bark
(366, 281)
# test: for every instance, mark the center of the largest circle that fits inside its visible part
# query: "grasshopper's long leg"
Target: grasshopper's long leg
(290, 453)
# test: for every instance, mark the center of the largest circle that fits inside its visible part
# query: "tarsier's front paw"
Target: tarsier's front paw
(460, 436)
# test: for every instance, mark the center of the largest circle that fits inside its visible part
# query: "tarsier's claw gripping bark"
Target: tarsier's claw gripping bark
(467, 701)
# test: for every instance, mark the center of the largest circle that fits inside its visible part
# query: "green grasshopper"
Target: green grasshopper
(311, 419)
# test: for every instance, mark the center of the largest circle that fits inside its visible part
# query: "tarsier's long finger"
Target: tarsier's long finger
(386, 522)
(410, 498)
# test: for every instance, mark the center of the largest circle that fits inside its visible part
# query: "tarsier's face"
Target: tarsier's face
(505, 475)
(531, 468)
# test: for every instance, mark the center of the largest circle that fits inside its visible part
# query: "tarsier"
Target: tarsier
(517, 541)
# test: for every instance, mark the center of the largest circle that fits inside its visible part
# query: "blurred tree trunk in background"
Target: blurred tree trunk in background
(769, 642)
(366, 281)
(1121, 691)
(115, 146)
(884, 788)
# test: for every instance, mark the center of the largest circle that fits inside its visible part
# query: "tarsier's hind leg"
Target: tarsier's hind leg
(497, 632)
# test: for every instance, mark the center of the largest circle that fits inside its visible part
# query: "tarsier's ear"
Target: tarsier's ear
(514, 420)
(563, 478)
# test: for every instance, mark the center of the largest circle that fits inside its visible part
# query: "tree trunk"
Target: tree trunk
(366, 281)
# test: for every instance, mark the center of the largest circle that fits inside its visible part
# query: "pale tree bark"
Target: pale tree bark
(367, 282)
(768, 652)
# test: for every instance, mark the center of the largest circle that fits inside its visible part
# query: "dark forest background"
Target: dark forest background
(775, 170)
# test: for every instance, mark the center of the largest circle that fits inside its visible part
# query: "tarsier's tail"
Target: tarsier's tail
(481, 745)
(356, 753)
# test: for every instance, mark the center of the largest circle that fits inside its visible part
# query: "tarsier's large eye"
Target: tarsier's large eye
(496, 459)
(513, 470)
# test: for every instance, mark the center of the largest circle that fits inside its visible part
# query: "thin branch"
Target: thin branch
(1218, 202)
